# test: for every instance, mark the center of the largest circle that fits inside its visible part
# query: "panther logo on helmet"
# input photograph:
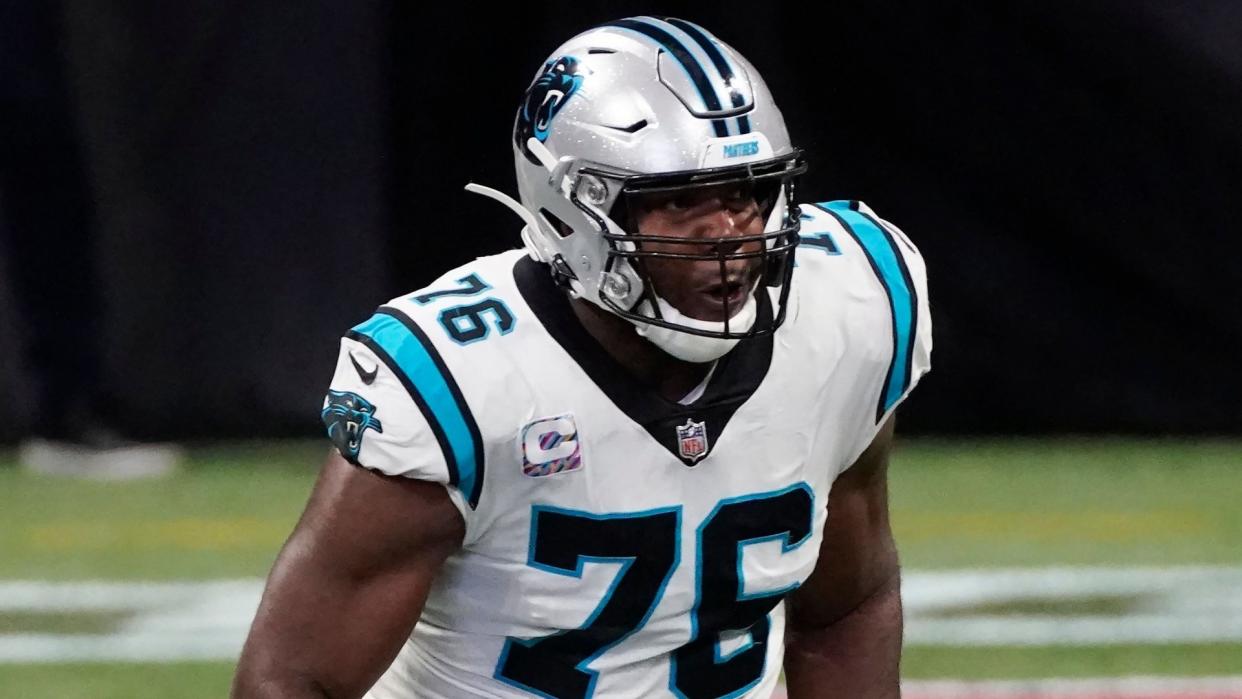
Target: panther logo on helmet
(718, 126)
(348, 416)
(546, 96)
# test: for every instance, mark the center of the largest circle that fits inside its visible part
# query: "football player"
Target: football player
(646, 455)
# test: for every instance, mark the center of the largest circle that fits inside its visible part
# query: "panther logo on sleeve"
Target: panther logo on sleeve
(348, 416)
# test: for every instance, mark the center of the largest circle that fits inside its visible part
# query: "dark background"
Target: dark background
(200, 197)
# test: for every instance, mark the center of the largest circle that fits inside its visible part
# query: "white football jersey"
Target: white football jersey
(619, 544)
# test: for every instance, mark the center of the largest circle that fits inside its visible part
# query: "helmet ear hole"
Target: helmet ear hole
(562, 229)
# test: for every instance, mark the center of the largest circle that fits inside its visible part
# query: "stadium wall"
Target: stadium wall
(262, 178)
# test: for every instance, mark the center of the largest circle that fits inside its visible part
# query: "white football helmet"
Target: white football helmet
(639, 106)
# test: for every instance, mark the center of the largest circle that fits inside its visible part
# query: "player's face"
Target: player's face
(710, 219)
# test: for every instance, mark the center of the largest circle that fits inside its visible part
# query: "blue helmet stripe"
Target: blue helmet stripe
(890, 268)
(403, 346)
(720, 61)
(688, 62)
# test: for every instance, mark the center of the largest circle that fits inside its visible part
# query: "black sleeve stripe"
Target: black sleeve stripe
(914, 298)
(889, 267)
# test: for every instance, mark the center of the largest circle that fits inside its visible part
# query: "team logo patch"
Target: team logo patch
(692, 441)
(348, 416)
(546, 96)
(550, 445)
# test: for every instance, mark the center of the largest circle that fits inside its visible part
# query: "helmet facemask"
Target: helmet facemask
(627, 288)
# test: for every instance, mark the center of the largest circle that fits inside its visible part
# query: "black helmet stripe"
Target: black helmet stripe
(697, 75)
(717, 58)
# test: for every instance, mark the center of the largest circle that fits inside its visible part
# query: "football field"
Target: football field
(1033, 568)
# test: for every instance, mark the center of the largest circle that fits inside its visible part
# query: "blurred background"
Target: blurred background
(198, 198)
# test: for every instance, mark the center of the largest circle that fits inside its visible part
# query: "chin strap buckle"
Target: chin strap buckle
(561, 273)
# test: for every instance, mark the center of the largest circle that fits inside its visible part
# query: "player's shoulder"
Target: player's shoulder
(420, 332)
(417, 378)
(847, 235)
(858, 267)
(861, 277)
(466, 307)
(457, 298)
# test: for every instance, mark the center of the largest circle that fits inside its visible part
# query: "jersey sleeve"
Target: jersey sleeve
(892, 328)
(394, 408)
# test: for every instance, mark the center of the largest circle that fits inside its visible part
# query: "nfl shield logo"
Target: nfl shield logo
(692, 441)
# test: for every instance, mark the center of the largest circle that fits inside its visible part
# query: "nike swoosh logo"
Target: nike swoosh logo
(368, 377)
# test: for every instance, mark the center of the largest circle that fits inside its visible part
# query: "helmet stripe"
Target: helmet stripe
(719, 60)
(688, 62)
(712, 65)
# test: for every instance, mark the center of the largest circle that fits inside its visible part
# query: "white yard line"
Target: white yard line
(208, 620)
(171, 621)
(1167, 605)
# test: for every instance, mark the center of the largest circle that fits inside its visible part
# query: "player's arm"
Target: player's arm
(348, 586)
(843, 637)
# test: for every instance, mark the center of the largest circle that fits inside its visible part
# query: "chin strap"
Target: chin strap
(696, 349)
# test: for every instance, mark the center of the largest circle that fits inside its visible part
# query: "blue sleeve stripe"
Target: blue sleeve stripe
(890, 268)
(403, 346)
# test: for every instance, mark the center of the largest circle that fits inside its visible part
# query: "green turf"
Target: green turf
(1102, 502)
(204, 680)
(927, 662)
(955, 504)
(62, 623)
(224, 516)
(116, 681)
